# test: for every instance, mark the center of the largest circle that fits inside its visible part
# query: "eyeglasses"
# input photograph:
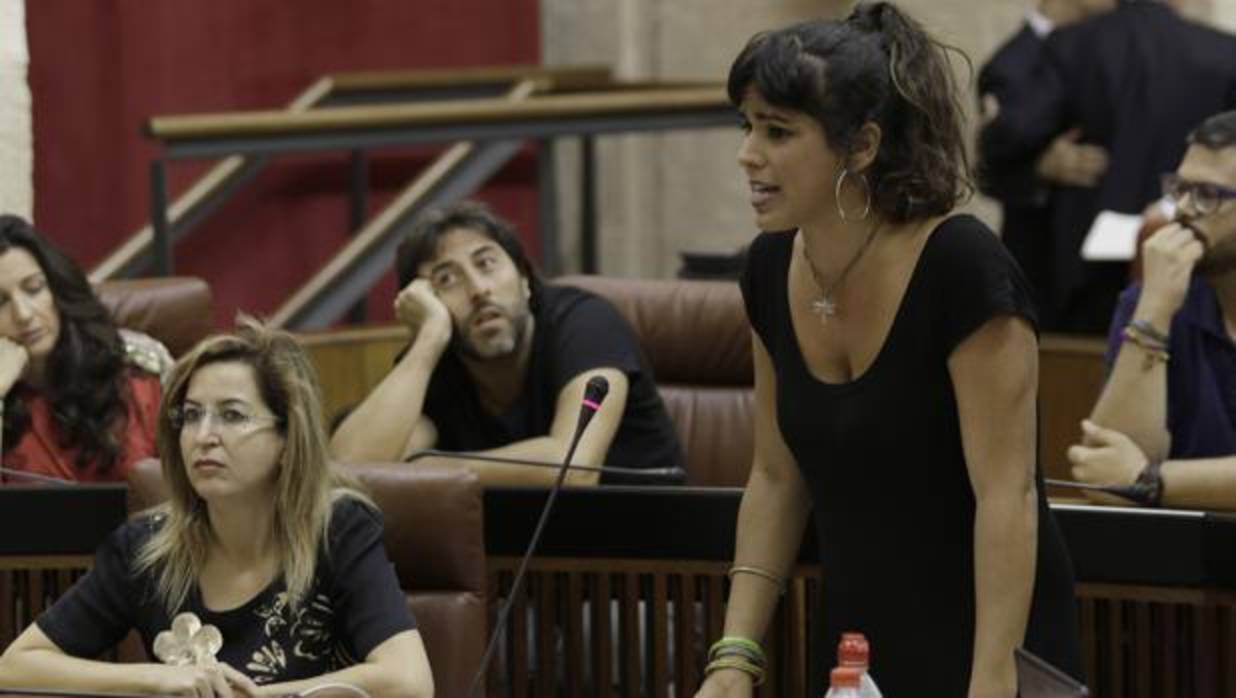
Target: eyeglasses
(1206, 196)
(231, 419)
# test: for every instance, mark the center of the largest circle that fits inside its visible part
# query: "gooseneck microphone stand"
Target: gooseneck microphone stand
(594, 394)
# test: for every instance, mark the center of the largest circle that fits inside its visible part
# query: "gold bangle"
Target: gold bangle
(779, 582)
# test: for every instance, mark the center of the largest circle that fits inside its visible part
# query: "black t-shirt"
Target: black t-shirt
(575, 331)
(353, 605)
(882, 458)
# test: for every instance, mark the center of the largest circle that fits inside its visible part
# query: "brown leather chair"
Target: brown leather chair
(696, 337)
(175, 310)
(434, 520)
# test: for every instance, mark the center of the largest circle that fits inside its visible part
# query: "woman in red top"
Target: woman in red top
(76, 406)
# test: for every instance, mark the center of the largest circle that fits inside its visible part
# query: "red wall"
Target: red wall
(98, 69)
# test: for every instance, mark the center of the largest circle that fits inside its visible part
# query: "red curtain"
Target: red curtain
(99, 69)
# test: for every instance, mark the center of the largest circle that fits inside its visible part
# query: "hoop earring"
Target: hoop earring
(837, 196)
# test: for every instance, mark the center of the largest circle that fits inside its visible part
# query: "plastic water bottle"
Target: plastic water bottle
(854, 652)
(844, 683)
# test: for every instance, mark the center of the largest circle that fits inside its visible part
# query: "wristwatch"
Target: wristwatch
(1147, 489)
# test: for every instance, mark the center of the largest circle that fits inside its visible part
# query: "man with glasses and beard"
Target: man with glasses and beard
(1124, 88)
(498, 362)
(1166, 420)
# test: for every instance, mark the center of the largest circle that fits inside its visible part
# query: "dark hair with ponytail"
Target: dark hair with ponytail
(876, 66)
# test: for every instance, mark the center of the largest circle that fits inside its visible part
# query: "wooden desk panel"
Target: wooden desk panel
(1156, 594)
(629, 588)
(351, 363)
(1071, 375)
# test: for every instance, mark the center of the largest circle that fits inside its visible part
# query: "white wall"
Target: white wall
(16, 156)
(1222, 14)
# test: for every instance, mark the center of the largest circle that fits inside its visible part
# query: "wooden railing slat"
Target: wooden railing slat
(683, 594)
(546, 609)
(1141, 639)
(518, 622)
(573, 647)
(658, 631)
(602, 633)
(629, 640)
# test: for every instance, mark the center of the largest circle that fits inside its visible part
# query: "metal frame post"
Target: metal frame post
(159, 225)
(588, 205)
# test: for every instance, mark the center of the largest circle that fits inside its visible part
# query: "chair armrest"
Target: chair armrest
(435, 524)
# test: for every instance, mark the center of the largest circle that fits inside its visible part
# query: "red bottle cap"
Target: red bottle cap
(853, 650)
(845, 677)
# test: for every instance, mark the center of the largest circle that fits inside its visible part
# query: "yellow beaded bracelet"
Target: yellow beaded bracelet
(756, 672)
(738, 647)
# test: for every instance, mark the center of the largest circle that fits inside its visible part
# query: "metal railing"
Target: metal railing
(485, 116)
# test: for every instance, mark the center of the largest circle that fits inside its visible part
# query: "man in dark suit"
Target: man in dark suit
(1024, 187)
(1134, 81)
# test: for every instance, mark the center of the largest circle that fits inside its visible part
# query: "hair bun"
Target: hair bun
(868, 16)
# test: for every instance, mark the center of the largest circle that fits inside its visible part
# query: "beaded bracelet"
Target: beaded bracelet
(738, 646)
(1136, 334)
(1150, 331)
(756, 672)
(1155, 353)
(759, 572)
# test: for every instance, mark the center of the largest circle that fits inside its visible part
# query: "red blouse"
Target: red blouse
(37, 451)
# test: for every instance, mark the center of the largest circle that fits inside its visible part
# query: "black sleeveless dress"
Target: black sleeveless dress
(882, 458)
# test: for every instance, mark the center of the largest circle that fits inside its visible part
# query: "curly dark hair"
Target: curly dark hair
(84, 382)
(421, 244)
(876, 66)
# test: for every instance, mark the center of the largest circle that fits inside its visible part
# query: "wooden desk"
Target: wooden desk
(50, 535)
(629, 588)
(1156, 594)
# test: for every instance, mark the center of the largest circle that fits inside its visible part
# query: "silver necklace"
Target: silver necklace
(826, 305)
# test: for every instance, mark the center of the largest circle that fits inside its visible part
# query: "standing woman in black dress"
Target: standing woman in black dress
(896, 372)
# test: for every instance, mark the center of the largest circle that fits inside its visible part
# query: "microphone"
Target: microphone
(667, 475)
(37, 477)
(594, 394)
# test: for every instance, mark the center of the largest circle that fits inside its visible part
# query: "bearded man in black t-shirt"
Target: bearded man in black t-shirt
(498, 362)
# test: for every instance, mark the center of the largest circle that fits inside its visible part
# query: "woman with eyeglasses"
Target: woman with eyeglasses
(1165, 423)
(80, 396)
(265, 572)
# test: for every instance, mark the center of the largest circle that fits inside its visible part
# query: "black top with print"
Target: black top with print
(353, 605)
